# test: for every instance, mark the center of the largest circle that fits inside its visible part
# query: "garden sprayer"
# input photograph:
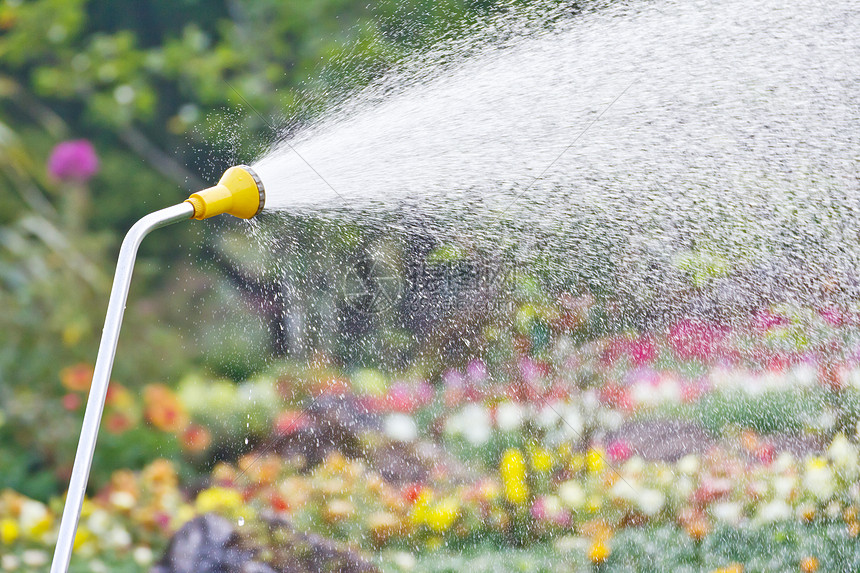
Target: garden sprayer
(240, 193)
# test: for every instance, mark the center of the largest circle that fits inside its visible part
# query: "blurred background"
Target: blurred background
(396, 390)
(111, 110)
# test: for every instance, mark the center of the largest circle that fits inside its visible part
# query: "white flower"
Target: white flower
(689, 464)
(9, 563)
(404, 560)
(118, 537)
(727, 512)
(777, 510)
(634, 466)
(852, 377)
(548, 416)
(644, 394)
(684, 487)
(98, 566)
(844, 456)
(401, 427)
(34, 558)
(32, 514)
(833, 509)
(142, 555)
(571, 494)
(122, 500)
(99, 522)
(651, 501)
(783, 462)
(473, 422)
(819, 479)
(572, 424)
(669, 390)
(509, 416)
(783, 487)
(626, 489)
(804, 375)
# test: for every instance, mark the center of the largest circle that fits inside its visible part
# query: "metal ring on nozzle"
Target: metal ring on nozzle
(260, 187)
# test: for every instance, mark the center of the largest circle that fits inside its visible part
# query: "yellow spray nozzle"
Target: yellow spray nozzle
(239, 193)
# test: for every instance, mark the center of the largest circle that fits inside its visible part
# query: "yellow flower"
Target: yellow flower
(599, 551)
(595, 460)
(219, 499)
(82, 536)
(184, 514)
(421, 508)
(541, 459)
(576, 463)
(87, 508)
(9, 531)
(733, 568)
(443, 515)
(594, 503)
(513, 473)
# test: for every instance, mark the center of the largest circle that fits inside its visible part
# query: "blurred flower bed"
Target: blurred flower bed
(695, 432)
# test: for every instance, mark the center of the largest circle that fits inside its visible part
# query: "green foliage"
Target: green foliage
(169, 93)
(780, 547)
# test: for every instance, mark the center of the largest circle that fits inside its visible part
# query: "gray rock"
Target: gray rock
(208, 544)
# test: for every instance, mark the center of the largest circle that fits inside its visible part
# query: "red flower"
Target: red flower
(72, 402)
(290, 421)
(117, 423)
(74, 160)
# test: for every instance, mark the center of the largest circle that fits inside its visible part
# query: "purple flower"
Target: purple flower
(74, 160)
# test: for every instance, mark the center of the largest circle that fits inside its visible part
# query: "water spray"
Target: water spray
(239, 193)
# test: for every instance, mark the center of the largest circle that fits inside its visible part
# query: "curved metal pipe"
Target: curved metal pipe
(101, 376)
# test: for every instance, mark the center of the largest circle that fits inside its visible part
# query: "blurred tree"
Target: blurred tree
(169, 92)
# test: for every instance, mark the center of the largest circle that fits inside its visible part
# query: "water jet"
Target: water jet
(240, 193)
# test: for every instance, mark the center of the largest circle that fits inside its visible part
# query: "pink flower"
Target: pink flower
(531, 370)
(694, 339)
(618, 451)
(764, 320)
(643, 350)
(833, 316)
(74, 160)
(476, 370)
(401, 397)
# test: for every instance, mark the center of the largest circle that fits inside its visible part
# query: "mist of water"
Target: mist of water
(628, 136)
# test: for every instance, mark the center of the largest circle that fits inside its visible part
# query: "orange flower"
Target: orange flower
(809, 565)
(163, 408)
(77, 377)
(196, 439)
(119, 397)
(160, 474)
